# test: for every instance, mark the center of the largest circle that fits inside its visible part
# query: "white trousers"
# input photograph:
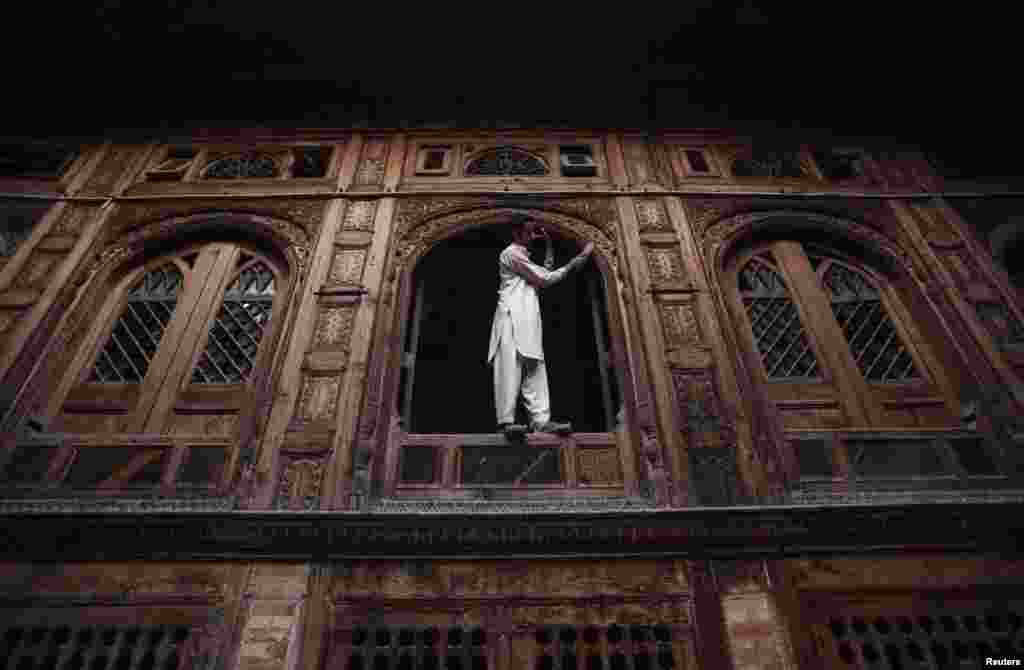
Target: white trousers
(514, 374)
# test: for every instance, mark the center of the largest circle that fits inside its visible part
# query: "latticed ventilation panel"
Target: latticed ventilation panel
(234, 339)
(614, 647)
(502, 162)
(942, 639)
(418, 648)
(780, 336)
(126, 356)
(255, 166)
(874, 342)
(92, 648)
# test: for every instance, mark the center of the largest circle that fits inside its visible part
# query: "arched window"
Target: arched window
(838, 346)
(506, 161)
(445, 437)
(780, 336)
(175, 349)
(136, 336)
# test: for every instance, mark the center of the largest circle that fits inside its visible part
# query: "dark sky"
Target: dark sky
(163, 66)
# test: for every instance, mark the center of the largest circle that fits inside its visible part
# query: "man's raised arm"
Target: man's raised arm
(539, 277)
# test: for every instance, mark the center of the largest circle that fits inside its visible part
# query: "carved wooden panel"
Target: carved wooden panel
(371, 164)
(665, 265)
(334, 326)
(679, 322)
(597, 466)
(700, 408)
(299, 484)
(756, 633)
(651, 215)
(359, 215)
(347, 266)
(319, 397)
(211, 425)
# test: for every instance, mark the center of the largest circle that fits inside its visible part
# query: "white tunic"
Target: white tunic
(517, 299)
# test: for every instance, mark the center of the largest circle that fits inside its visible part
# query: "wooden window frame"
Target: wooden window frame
(447, 461)
(148, 408)
(863, 403)
(423, 153)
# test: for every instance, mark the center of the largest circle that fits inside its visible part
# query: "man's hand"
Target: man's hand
(587, 250)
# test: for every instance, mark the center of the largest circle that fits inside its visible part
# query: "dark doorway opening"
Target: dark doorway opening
(447, 384)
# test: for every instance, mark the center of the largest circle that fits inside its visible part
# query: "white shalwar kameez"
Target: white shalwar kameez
(516, 349)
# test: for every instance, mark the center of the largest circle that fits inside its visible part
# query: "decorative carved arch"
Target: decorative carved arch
(415, 240)
(506, 161)
(287, 238)
(282, 239)
(421, 236)
(722, 237)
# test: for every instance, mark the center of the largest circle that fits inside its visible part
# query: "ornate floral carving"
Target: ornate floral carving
(319, 398)
(334, 326)
(8, 318)
(700, 409)
(359, 215)
(502, 161)
(72, 220)
(299, 487)
(665, 265)
(650, 214)
(347, 266)
(719, 234)
(703, 211)
(599, 466)
(418, 240)
(680, 324)
(306, 214)
(370, 172)
(36, 270)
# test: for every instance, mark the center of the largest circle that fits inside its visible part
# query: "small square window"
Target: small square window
(311, 162)
(578, 161)
(697, 163)
(434, 161)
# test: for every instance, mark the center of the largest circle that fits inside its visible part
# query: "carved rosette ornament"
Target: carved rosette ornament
(417, 241)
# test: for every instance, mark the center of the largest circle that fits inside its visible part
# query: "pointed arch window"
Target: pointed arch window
(136, 336)
(193, 323)
(858, 308)
(234, 337)
(778, 332)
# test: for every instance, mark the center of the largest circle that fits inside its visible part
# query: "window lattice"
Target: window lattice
(780, 336)
(92, 648)
(418, 648)
(234, 339)
(249, 166)
(612, 647)
(503, 162)
(132, 344)
(873, 339)
(943, 639)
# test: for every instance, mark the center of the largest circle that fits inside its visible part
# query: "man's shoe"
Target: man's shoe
(553, 427)
(512, 430)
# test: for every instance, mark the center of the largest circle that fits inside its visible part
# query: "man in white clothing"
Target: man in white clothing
(516, 349)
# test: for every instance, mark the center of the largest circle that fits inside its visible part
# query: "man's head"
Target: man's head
(525, 230)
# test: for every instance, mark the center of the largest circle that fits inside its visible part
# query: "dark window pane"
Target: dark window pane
(417, 465)
(697, 161)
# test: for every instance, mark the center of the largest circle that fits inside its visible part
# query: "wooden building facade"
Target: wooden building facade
(247, 417)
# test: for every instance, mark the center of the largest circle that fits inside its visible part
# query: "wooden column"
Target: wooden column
(338, 478)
